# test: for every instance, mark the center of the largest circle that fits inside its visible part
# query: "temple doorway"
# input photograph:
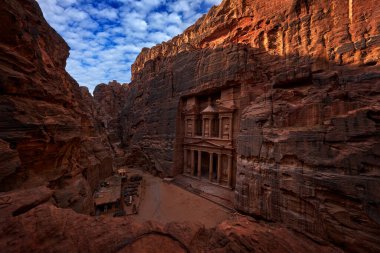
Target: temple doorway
(205, 165)
(214, 171)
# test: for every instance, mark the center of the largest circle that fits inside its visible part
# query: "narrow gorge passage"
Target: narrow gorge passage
(269, 108)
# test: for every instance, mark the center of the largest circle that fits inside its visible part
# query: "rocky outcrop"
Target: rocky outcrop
(48, 134)
(109, 101)
(30, 223)
(308, 143)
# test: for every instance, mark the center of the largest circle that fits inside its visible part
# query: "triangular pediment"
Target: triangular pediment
(209, 110)
(205, 143)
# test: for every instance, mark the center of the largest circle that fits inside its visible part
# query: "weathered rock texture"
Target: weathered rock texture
(109, 101)
(48, 134)
(308, 147)
(29, 223)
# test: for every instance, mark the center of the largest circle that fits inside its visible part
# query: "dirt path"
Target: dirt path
(165, 202)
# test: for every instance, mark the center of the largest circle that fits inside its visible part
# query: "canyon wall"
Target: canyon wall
(109, 101)
(308, 144)
(57, 142)
(48, 132)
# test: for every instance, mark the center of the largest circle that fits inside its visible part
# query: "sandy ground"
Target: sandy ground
(165, 202)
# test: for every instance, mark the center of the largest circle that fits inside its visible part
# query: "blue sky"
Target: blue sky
(106, 36)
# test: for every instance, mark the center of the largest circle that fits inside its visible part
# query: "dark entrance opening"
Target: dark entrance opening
(198, 126)
(214, 168)
(205, 164)
(194, 173)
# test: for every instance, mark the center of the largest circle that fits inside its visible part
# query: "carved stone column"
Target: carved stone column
(203, 127)
(199, 163)
(192, 162)
(185, 167)
(211, 166)
(211, 125)
(219, 172)
(231, 123)
(220, 127)
(193, 131)
(207, 126)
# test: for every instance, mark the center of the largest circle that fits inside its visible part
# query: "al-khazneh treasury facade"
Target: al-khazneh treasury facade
(209, 138)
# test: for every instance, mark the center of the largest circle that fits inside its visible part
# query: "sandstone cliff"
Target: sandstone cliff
(109, 101)
(308, 144)
(52, 152)
(48, 133)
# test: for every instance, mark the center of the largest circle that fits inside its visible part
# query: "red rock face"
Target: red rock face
(308, 144)
(48, 135)
(109, 101)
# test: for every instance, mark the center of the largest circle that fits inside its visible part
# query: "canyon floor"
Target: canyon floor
(164, 203)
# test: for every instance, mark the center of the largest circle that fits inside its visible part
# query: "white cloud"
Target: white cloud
(106, 36)
(134, 22)
(158, 37)
(173, 30)
(66, 3)
(107, 13)
(74, 14)
(213, 2)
